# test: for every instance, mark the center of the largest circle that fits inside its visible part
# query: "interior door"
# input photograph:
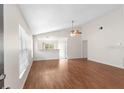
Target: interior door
(85, 48)
(1, 49)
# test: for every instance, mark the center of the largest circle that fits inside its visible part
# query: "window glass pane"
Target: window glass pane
(44, 45)
(23, 46)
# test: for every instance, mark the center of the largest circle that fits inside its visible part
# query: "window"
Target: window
(23, 47)
(44, 45)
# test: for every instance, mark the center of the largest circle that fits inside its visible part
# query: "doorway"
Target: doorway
(62, 48)
(84, 49)
(1, 49)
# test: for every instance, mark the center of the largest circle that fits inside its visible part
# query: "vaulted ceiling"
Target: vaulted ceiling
(51, 17)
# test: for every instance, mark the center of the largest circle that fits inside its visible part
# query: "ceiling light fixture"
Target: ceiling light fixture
(75, 32)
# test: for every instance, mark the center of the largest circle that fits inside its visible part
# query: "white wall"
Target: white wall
(12, 19)
(73, 45)
(103, 45)
(46, 55)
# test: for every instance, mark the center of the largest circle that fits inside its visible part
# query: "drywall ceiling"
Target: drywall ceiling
(43, 18)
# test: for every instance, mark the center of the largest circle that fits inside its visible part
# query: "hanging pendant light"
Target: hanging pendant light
(75, 32)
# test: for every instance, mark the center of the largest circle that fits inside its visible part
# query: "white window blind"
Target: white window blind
(23, 53)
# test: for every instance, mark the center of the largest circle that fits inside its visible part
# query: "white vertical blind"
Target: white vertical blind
(23, 55)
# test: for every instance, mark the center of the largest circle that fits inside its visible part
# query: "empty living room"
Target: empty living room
(61, 46)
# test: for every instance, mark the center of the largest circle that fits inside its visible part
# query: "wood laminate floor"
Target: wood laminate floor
(76, 73)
